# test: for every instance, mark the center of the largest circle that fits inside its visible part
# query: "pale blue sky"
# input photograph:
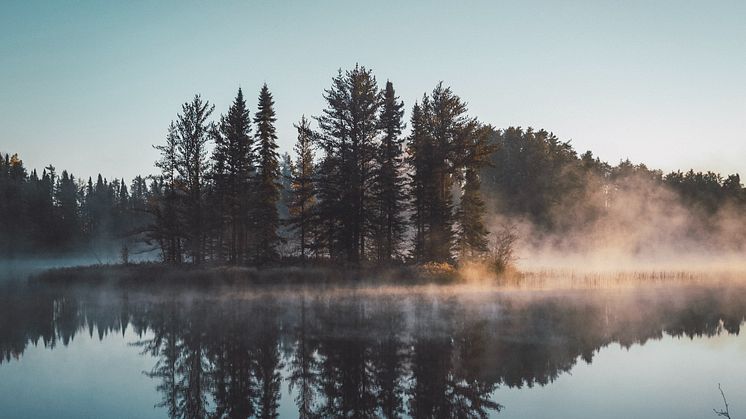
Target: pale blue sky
(90, 86)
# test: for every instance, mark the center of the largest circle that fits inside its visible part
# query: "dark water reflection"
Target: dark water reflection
(360, 352)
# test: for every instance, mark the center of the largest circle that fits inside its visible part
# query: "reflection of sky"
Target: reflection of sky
(672, 377)
(667, 378)
(662, 82)
(86, 379)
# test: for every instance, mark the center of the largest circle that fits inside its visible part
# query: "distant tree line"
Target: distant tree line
(357, 189)
(52, 214)
(536, 176)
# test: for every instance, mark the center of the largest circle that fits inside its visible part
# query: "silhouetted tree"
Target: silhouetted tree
(167, 230)
(439, 142)
(193, 132)
(303, 196)
(267, 192)
(349, 127)
(472, 232)
(389, 182)
(234, 159)
(66, 198)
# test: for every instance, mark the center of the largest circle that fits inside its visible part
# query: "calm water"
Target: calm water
(365, 351)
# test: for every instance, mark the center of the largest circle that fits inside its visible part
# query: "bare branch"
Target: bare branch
(723, 413)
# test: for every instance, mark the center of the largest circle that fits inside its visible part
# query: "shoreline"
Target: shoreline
(158, 273)
(465, 276)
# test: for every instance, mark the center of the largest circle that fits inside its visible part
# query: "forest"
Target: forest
(363, 186)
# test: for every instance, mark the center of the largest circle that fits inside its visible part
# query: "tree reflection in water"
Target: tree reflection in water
(419, 353)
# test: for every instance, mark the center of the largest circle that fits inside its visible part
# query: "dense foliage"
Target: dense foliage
(358, 190)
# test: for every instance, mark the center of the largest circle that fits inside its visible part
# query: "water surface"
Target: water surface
(425, 351)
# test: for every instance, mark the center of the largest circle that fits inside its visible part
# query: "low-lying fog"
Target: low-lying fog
(368, 350)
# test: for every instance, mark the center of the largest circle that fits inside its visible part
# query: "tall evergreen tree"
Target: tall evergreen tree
(265, 216)
(389, 180)
(477, 150)
(419, 160)
(48, 220)
(12, 205)
(349, 127)
(234, 166)
(303, 191)
(472, 233)
(193, 132)
(440, 132)
(333, 180)
(123, 210)
(166, 229)
(66, 199)
(283, 205)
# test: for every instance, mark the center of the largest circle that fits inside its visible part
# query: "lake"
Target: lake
(648, 351)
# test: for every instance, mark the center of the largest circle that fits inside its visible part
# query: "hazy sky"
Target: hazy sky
(90, 86)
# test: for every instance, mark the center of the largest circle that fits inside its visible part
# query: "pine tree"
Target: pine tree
(123, 211)
(12, 205)
(66, 199)
(265, 216)
(440, 132)
(283, 205)
(332, 179)
(193, 133)
(166, 229)
(418, 159)
(302, 187)
(48, 225)
(349, 127)
(389, 181)
(233, 159)
(472, 232)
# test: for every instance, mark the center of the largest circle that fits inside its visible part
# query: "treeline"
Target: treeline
(533, 175)
(356, 189)
(55, 214)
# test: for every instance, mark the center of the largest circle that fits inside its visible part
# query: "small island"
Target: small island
(360, 199)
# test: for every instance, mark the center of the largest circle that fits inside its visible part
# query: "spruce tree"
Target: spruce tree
(349, 129)
(284, 203)
(389, 180)
(418, 159)
(302, 186)
(166, 229)
(333, 180)
(472, 232)
(233, 165)
(265, 216)
(286, 180)
(66, 199)
(440, 132)
(193, 133)
(13, 211)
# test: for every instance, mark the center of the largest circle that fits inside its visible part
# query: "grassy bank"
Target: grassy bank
(157, 273)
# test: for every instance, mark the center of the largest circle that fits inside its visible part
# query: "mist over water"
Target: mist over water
(631, 292)
(461, 350)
